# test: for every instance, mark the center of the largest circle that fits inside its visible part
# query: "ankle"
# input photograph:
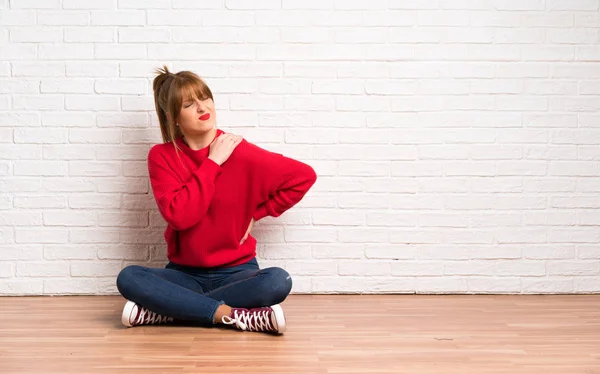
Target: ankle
(222, 311)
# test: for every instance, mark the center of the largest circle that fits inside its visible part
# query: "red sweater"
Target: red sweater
(208, 207)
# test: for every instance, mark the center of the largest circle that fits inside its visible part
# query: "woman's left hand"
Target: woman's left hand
(247, 231)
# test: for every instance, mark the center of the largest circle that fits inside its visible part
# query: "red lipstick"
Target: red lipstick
(204, 117)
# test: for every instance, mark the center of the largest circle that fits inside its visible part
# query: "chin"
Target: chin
(204, 127)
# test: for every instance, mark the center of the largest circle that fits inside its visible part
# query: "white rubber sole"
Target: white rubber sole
(279, 318)
(128, 309)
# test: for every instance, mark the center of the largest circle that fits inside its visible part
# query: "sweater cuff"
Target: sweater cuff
(261, 212)
(210, 167)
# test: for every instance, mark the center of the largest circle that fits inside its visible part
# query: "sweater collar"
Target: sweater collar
(199, 154)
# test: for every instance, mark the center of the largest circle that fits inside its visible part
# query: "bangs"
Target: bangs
(189, 87)
(193, 90)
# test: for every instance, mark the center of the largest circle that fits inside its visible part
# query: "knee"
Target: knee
(126, 278)
(279, 285)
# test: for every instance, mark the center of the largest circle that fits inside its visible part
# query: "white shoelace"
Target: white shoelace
(148, 317)
(250, 321)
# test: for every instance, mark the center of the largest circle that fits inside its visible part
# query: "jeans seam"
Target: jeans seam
(233, 283)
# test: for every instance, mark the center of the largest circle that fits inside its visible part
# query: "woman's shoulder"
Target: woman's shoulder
(161, 151)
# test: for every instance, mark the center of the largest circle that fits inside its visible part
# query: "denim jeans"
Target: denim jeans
(194, 294)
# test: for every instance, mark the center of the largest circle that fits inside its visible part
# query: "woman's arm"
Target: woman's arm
(283, 181)
(182, 205)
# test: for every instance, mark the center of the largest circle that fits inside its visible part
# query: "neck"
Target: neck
(201, 140)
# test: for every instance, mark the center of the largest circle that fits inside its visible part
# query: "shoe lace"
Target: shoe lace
(250, 321)
(148, 317)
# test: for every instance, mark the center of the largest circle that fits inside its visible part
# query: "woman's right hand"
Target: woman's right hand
(223, 147)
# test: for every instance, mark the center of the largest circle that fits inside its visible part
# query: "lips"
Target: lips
(204, 117)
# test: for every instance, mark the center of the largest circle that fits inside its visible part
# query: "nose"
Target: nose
(199, 107)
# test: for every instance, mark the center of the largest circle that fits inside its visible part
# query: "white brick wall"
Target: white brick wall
(456, 141)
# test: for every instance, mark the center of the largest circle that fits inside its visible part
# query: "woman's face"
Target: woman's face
(197, 116)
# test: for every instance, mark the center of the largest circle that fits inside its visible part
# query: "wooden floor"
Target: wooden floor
(326, 334)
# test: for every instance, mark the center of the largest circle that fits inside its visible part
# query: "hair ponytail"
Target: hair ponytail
(161, 87)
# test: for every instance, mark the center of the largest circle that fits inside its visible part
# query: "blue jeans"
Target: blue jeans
(194, 294)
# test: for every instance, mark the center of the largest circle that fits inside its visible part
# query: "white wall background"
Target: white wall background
(456, 141)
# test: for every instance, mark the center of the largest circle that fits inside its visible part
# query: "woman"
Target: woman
(210, 187)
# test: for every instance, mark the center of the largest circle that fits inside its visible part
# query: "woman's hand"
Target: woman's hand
(223, 147)
(247, 231)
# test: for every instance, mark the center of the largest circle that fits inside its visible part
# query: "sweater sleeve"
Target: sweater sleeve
(283, 182)
(181, 204)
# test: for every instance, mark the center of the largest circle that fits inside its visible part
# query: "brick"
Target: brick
(21, 252)
(495, 220)
(552, 152)
(120, 52)
(40, 168)
(68, 184)
(71, 51)
(97, 4)
(363, 235)
(145, 4)
(38, 69)
(89, 34)
(66, 119)
(123, 252)
(571, 168)
(35, 35)
(521, 268)
(547, 285)
(285, 251)
(314, 268)
(63, 18)
(311, 235)
(498, 203)
(582, 5)
(540, 252)
(20, 184)
(441, 285)
(257, 5)
(574, 235)
(35, 235)
(413, 268)
(17, 18)
(94, 235)
(120, 86)
(126, 185)
(95, 201)
(85, 102)
(118, 152)
(92, 69)
(494, 285)
(67, 86)
(118, 18)
(333, 217)
(69, 286)
(144, 35)
(69, 218)
(69, 252)
(96, 169)
(35, 4)
(95, 269)
(19, 119)
(175, 18)
(40, 102)
(16, 287)
(405, 236)
(40, 201)
(363, 268)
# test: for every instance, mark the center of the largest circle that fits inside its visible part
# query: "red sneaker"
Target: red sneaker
(268, 319)
(135, 315)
